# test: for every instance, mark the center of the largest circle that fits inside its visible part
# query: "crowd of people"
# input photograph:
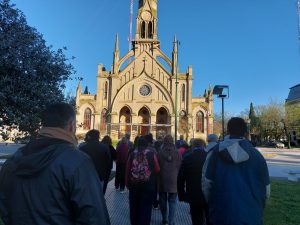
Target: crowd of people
(53, 180)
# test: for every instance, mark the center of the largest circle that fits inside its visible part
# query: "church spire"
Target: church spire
(146, 26)
(117, 43)
(116, 55)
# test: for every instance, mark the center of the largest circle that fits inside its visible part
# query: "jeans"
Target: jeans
(168, 200)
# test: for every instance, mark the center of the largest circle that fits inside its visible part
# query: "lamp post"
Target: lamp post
(176, 94)
(222, 91)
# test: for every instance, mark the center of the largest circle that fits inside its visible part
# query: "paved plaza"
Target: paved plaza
(118, 209)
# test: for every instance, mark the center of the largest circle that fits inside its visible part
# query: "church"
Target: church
(144, 92)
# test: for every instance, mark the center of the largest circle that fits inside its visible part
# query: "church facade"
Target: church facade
(138, 96)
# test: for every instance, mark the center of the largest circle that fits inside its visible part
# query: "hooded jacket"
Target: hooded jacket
(49, 182)
(236, 183)
(169, 161)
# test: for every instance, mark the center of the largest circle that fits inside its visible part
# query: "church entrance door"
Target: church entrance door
(162, 122)
(125, 121)
(144, 120)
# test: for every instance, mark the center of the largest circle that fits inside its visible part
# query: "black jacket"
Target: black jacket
(189, 177)
(49, 182)
(100, 156)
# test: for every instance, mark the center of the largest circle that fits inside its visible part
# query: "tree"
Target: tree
(218, 122)
(254, 122)
(32, 75)
(271, 120)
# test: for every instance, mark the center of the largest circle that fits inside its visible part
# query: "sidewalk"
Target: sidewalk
(118, 209)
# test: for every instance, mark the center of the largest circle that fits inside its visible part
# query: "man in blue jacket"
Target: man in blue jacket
(236, 180)
(48, 181)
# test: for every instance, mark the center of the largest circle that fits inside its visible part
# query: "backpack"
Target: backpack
(140, 171)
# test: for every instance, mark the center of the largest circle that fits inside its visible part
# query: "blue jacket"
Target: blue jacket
(235, 183)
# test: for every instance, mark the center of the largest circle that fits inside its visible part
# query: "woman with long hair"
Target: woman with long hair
(140, 179)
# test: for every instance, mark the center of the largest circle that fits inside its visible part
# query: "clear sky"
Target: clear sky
(250, 45)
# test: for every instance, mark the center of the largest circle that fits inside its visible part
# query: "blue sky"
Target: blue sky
(250, 45)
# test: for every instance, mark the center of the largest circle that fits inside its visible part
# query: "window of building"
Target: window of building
(200, 122)
(183, 93)
(143, 30)
(103, 121)
(87, 119)
(150, 30)
(105, 90)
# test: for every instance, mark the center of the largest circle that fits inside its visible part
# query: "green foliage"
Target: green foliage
(32, 75)
(271, 120)
(114, 143)
(293, 116)
(254, 121)
(284, 205)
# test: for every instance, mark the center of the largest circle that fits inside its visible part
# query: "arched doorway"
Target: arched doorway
(125, 121)
(162, 121)
(144, 120)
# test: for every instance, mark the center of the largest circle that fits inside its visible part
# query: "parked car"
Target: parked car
(276, 144)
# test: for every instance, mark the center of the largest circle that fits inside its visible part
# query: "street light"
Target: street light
(176, 92)
(222, 91)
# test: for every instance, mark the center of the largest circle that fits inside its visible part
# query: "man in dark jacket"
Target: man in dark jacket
(99, 154)
(189, 182)
(236, 179)
(48, 181)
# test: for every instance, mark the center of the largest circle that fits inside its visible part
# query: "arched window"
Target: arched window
(143, 30)
(200, 122)
(105, 90)
(183, 93)
(103, 121)
(87, 119)
(150, 30)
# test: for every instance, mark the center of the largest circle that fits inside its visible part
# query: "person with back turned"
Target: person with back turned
(236, 180)
(48, 181)
(99, 154)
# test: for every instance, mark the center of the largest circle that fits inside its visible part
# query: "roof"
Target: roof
(294, 93)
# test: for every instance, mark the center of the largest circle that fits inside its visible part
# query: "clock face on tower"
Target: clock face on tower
(145, 90)
(146, 15)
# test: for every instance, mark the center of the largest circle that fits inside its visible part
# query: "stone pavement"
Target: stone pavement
(118, 209)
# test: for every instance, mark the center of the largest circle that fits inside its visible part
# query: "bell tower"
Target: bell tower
(146, 24)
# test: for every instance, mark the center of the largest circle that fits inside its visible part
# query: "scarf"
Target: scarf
(59, 133)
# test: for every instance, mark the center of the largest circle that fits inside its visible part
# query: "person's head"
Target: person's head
(142, 144)
(237, 127)
(191, 141)
(59, 115)
(127, 136)
(168, 140)
(181, 137)
(212, 138)
(149, 138)
(136, 141)
(92, 135)
(198, 143)
(106, 140)
(124, 140)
